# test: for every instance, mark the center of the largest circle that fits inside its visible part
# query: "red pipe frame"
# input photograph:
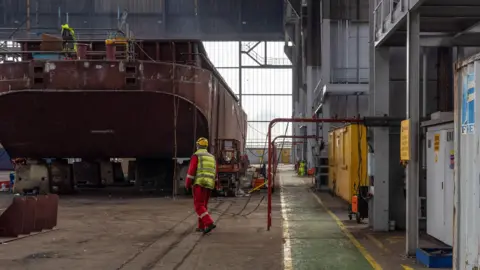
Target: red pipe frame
(295, 137)
(292, 137)
(292, 120)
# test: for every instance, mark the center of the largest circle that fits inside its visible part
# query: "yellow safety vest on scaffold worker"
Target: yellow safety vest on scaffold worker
(68, 36)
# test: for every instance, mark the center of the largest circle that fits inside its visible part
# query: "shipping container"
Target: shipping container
(467, 166)
(350, 160)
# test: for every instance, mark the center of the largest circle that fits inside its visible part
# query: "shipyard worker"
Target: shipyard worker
(69, 39)
(301, 168)
(201, 177)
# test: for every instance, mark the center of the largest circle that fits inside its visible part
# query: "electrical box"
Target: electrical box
(440, 158)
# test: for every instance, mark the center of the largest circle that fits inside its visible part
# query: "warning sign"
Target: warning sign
(436, 143)
(405, 141)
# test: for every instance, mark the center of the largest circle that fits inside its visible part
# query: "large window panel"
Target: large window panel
(231, 77)
(257, 133)
(258, 54)
(223, 54)
(266, 91)
(267, 81)
(265, 108)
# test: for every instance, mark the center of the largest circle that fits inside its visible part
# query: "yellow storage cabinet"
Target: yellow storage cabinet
(286, 156)
(349, 151)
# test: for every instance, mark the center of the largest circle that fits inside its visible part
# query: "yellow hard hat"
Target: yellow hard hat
(203, 142)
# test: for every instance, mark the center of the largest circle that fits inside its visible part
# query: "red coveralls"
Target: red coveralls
(200, 195)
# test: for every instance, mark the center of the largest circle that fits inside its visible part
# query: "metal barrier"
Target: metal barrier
(27, 214)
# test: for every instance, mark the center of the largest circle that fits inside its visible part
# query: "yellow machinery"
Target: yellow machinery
(348, 160)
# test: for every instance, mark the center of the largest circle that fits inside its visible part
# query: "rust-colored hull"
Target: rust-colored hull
(97, 124)
(95, 109)
(28, 214)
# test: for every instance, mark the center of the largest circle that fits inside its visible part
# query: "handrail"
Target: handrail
(273, 61)
(378, 5)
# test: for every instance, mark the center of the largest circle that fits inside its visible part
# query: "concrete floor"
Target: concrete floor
(102, 232)
(124, 231)
(387, 248)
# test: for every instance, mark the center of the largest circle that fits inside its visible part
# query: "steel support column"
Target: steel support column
(312, 81)
(299, 102)
(381, 143)
(326, 57)
(459, 239)
(371, 86)
(371, 61)
(413, 113)
(240, 73)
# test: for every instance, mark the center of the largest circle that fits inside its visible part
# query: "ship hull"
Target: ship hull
(114, 109)
(99, 124)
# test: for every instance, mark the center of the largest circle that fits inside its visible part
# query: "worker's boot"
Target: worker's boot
(209, 228)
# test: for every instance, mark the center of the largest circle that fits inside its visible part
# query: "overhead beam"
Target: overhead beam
(472, 29)
(295, 5)
(449, 11)
(440, 40)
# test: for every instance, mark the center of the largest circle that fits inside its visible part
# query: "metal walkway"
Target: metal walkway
(313, 238)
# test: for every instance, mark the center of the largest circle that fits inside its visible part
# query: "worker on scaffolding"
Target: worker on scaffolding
(202, 178)
(69, 39)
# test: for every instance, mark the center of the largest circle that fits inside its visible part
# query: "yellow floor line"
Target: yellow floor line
(287, 249)
(354, 241)
(378, 243)
(407, 267)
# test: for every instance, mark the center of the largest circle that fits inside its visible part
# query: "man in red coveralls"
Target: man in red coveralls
(202, 175)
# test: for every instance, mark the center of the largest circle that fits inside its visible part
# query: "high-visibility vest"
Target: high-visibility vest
(301, 169)
(68, 35)
(206, 169)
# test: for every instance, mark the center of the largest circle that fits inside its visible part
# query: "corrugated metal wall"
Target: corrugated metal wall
(150, 19)
(349, 45)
